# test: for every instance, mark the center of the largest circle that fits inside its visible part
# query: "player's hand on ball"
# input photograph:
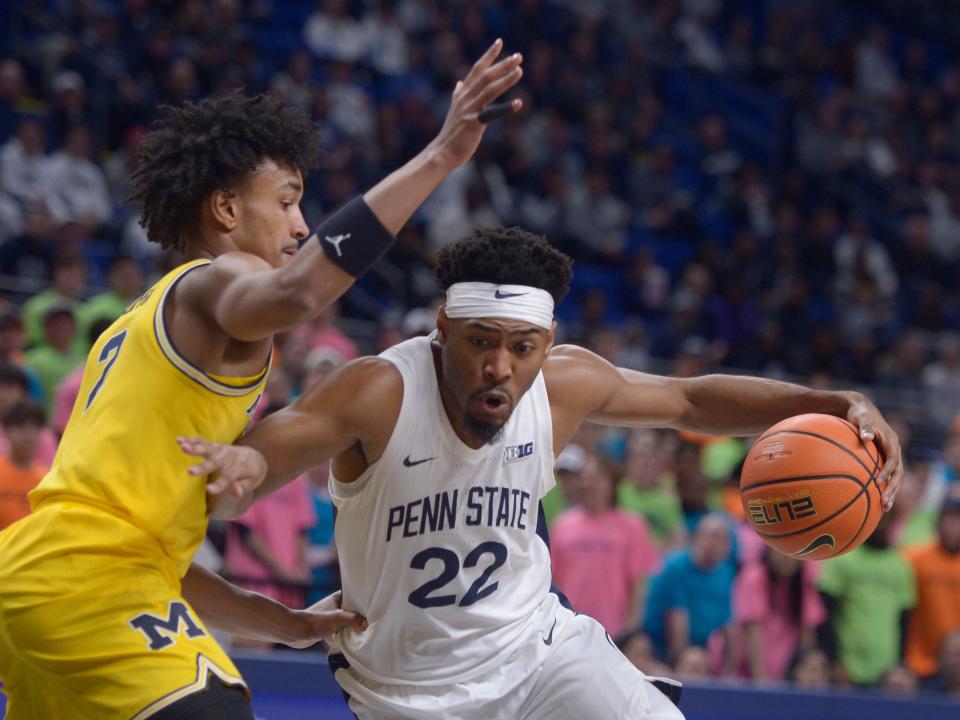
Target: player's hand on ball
(323, 620)
(233, 469)
(463, 127)
(864, 415)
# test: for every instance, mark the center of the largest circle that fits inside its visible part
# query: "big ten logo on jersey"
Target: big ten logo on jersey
(513, 453)
(158, 630)
(775, 509)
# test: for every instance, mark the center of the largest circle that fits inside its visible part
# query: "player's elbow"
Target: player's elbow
(302, 305)
(254, 317)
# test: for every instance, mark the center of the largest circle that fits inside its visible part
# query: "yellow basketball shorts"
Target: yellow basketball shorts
(91, 630)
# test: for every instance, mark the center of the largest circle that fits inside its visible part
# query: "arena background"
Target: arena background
(766, 187)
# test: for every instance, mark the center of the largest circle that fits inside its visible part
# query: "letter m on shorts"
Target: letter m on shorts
(158, 630)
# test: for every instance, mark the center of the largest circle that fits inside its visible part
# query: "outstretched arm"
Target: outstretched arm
(257, 617)
(250, 300)
(712, 404)
(357, 405)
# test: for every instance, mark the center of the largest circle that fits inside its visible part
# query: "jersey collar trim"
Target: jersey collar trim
(185, 366)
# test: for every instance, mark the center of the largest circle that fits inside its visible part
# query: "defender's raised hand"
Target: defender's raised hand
(235, 472)
(487, 80)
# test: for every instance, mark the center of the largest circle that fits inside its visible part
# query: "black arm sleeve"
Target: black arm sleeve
(354, 238)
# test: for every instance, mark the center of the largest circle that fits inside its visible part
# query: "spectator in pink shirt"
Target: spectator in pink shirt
(777, 608)
(322, 332)
(266, 546)
(601, 555)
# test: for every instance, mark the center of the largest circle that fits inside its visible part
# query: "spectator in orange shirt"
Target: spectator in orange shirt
(937, 569)
(19, 470)
(14, 386)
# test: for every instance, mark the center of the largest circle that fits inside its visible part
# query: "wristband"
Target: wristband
(354, 238)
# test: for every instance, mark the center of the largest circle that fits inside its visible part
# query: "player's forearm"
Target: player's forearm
(250, 306)
(305, 286)
(733, 405)
(226, 607)
(395, 198)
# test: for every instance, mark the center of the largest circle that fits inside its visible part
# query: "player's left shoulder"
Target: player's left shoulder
(566, 362)
(574, 372)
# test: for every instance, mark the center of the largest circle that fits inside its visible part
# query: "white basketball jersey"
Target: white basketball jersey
(437, 541)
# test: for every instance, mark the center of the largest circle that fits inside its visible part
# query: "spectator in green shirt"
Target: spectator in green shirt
(69, 282)
(53, 359)
(126, 285)
(646, 489)
(867, 593)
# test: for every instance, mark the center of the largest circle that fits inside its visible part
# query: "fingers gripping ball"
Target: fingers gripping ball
(809, 487)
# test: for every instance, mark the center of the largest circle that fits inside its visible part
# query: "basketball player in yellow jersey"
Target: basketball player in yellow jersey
(93, 622)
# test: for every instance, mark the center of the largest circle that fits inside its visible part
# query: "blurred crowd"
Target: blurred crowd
(648, 536)
(771, 187)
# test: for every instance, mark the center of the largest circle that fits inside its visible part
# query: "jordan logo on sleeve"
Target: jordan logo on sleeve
(335, 240)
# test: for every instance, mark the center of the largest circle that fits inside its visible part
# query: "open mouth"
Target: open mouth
(494, 402)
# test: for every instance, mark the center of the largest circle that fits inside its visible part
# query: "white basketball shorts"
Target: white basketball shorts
(567, 670)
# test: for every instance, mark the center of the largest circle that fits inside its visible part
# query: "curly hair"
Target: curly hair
(199, 147)
(506, 256)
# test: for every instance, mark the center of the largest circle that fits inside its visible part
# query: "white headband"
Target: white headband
(511, 302)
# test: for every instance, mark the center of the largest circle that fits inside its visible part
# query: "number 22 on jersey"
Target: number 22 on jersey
(108, 356)
(422, 598)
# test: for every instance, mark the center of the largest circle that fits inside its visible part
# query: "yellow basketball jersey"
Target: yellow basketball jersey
(119, 451)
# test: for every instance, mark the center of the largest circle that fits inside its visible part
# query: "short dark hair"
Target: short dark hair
(10, 374)
(506, 256)
(196, 148)
(25, 412)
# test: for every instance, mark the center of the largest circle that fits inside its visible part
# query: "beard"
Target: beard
(487, 433)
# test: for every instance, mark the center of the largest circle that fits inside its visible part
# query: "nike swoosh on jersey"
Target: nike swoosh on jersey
(503, 296)
(548, 640)
(413, 463)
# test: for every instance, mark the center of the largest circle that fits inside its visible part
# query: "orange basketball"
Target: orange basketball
(809, 487)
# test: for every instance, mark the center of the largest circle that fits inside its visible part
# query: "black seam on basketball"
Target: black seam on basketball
(863, 489)
(780, 481)
(825, 439)
(866, 515)
(859, 529)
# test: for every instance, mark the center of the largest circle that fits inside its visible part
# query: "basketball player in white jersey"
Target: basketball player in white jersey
(442, 448)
